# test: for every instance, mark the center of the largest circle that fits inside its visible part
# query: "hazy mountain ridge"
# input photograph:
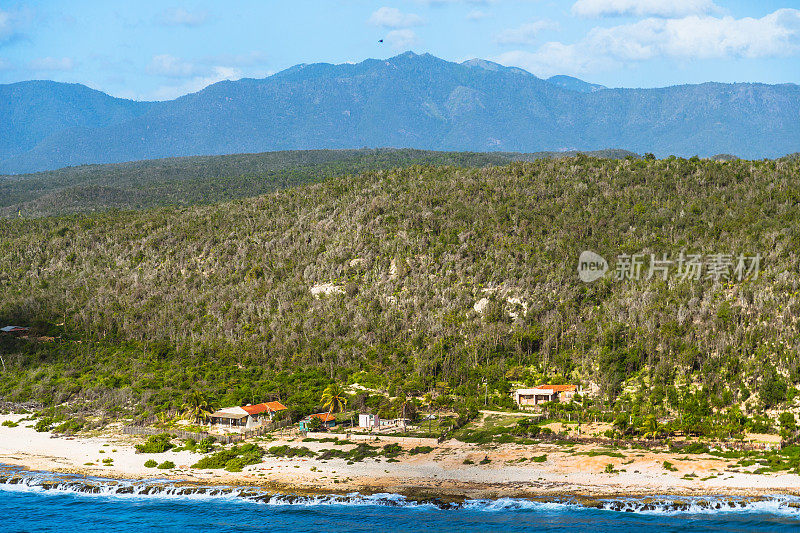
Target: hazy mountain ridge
(410, 100)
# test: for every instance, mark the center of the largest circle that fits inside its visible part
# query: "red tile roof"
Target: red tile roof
(269, 407)
(558, 388)
(276, 406)
(325, 417)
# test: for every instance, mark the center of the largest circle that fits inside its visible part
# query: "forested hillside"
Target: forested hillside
(133, 309)
(184, 181)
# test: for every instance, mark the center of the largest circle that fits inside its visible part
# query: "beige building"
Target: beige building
(543, 394)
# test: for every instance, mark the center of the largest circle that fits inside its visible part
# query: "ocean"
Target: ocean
(37, 503)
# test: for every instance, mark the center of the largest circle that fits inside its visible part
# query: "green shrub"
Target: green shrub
(69, 426)
(289, 451)
(233, 459)
(156, 444)
(9, 424)
(420, 449)
(44, 424)
(166, 465)
(150, 463)
(695, 447)
(392, 450)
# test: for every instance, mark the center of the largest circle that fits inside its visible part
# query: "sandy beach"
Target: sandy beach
(507, 469)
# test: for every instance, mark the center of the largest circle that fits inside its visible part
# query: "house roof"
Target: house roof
(269, 407)
(234, 413)
(558, 388)
(12, 329)
(325, 417)
(276, 406)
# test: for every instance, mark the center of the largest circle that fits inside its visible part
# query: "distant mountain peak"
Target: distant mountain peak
(492, 66)
(409, 100)
(574, 84)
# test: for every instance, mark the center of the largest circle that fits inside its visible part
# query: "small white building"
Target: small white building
(369, 421)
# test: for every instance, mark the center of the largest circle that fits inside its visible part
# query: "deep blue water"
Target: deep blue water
(41, 502)
(42, 511)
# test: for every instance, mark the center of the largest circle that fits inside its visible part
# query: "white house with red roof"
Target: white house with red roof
(246, 416)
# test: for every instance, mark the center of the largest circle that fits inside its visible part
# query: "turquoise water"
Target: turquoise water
(36, 506)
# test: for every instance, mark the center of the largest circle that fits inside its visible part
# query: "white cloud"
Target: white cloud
(191, 76)
(52, 63)
(693, 37)
(171, 67)
(401, 39)
(182, 17)
(12, 23)
(477, 14)
(643, 8)
(525, 34)
(556, 58)
(6, 27)
(700, 37)
(390, 17)
(217, 74)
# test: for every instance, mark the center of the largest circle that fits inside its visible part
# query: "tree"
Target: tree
(788, 424)
(651, 428)
(773, 389)
(334, 398)
(196, 406)
(315, 424)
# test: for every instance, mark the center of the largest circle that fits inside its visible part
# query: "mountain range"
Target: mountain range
(410, 100)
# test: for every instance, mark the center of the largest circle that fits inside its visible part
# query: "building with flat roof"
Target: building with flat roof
(543, 394)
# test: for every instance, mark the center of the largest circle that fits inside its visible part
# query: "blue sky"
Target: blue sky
(155, 50)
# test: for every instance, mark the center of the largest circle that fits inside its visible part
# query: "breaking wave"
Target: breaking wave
(19, 479)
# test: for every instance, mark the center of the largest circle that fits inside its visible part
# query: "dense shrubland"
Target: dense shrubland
(185, 181)
(137, 308)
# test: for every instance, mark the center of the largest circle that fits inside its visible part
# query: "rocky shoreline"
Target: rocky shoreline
(14, 477)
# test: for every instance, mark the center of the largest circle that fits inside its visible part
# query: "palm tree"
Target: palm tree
(197, 407)
(651, 428)
(334, 398)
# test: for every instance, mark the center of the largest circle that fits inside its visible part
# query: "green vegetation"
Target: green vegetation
(186, 181)
(669, 466)
(416, 450)
(334, 398)
(133, 310)
(156, 444)
(363, 451)
(205, 445)
(166, 465)
(233, 459)
(9, 423)
(150, 463)
(290, 451)
(598, 453)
